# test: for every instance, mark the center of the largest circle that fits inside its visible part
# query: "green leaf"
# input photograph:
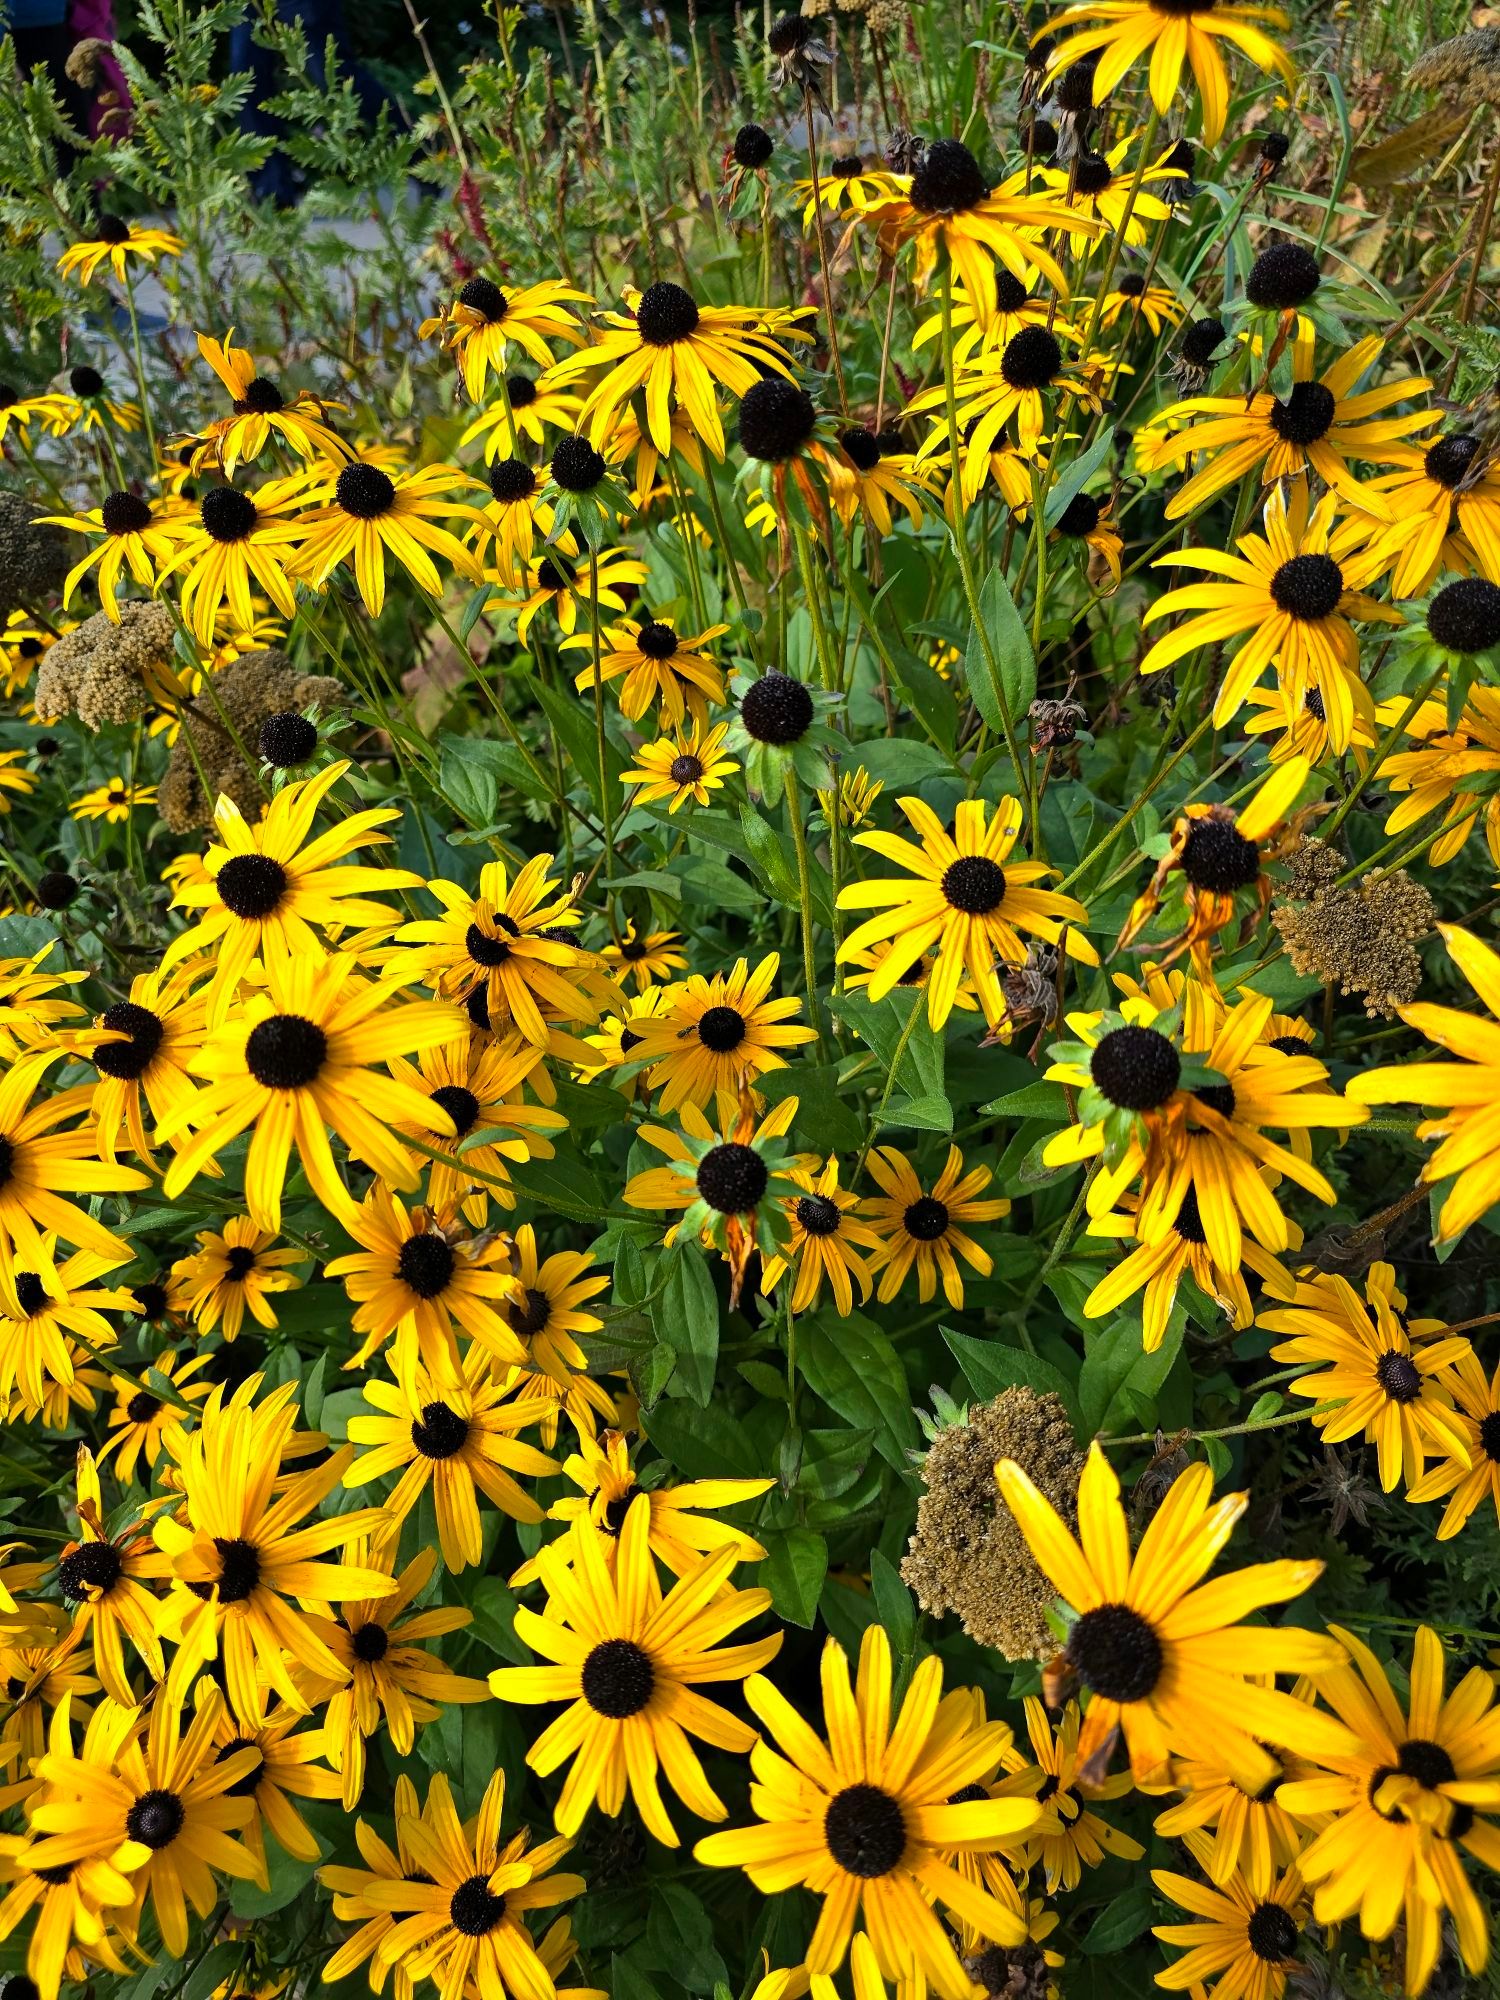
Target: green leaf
(1115, 1360)
(770, 858)
(704, 1444)
(1120, 1921)
(990, 1368)
(212, 1970)
(1265, 1406)
(882, 1023)
(562, 1187)
(898, 1613)
(680, 1934)
(899, 762)
(919, 1114)
(795, 1566)
(494, 1608)
(475, 771)
(24, 937)
(1032, 1100)
(853, 1367)
(1077, 476)
(831, 1460)
(474, 610)
(686, 1318)
(1005, 689)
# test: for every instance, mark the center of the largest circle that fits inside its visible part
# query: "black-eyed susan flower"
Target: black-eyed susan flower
(1216, 857)
(34, 1010)
(140, 1416)
(844, 182)
(132, 535)
(645, 960)
(152, 1799)
(1323, 425)
(1251, 1836)
(512, 519)
(44, 1668)
(389, 1680)
(1073, 1836)
(1300, 728)
(682, 1525)
(1448, 770)
(1156, 1270)
(287, 1769)
(468, 1897)
(1163, 1656)
(413, 1279)
(39, 1164)
(114, 242)
(374, 515)
(1295, 590)
(480, 324)
(867, 482)
(667, 348)
(15, 781)
(964, 899)
(530, 406)
(924, 1230)
(73, 1905)
(354, 1891)
(49, 1310)
(731, 1182)
(1387, 1374)
(1133, 298)
(1243, 1939)
(1443, 511)
(852, 804)
(234, 1271)
(691, 765)
(298, 1057)
(233, 544)
(143, 1062)
(244, 1572)
(570, 584)
(267, 885)
(460, 1436)
(629, 1659)
(949, 204)
(544, 1310)
(1091, 521)
(867, 1819)
(261, 413)
(1102, 188)
(481, 1086)
(1467, 1092)
(113, 801)
(512, 940)
(827, 1240)
(106, 1580)
(1405, 1795)
(1016, 306)
(718, 1033)
(1476, 1405)
(657, 667)
(1005, 390)
(1119, 33)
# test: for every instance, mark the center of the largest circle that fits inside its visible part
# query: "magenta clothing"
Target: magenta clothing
(95, 19)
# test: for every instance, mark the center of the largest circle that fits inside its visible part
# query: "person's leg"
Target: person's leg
(273, 180)
(46, 49)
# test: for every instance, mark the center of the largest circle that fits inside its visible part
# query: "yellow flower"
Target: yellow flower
(112, 242)
(1099, 186)
(1468, 1091)
(232, 544)
(628, 1658)
(680, 1528)
(113, 801)
(922, 1230)
(718, 1034)
(646, 961)
(667, 347)
(479, 1085)
(1245, 1938)
(968, 901)
(483, 320)
(154, 1033)
(134, 535)
(1170, 34)
(1406, 1792)
(266, 885)
(458, 1434)
(825, 1242)
(867, 1819)
(373, 516)
(1465, 1485)
(244, 1572)
(1161, 1653)
(261, 412)
(658, 666)
(298, 1058)
(1073, 1836)
(232, 1273)
(1295, 590)
(691, 766)
(1387, 1374)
